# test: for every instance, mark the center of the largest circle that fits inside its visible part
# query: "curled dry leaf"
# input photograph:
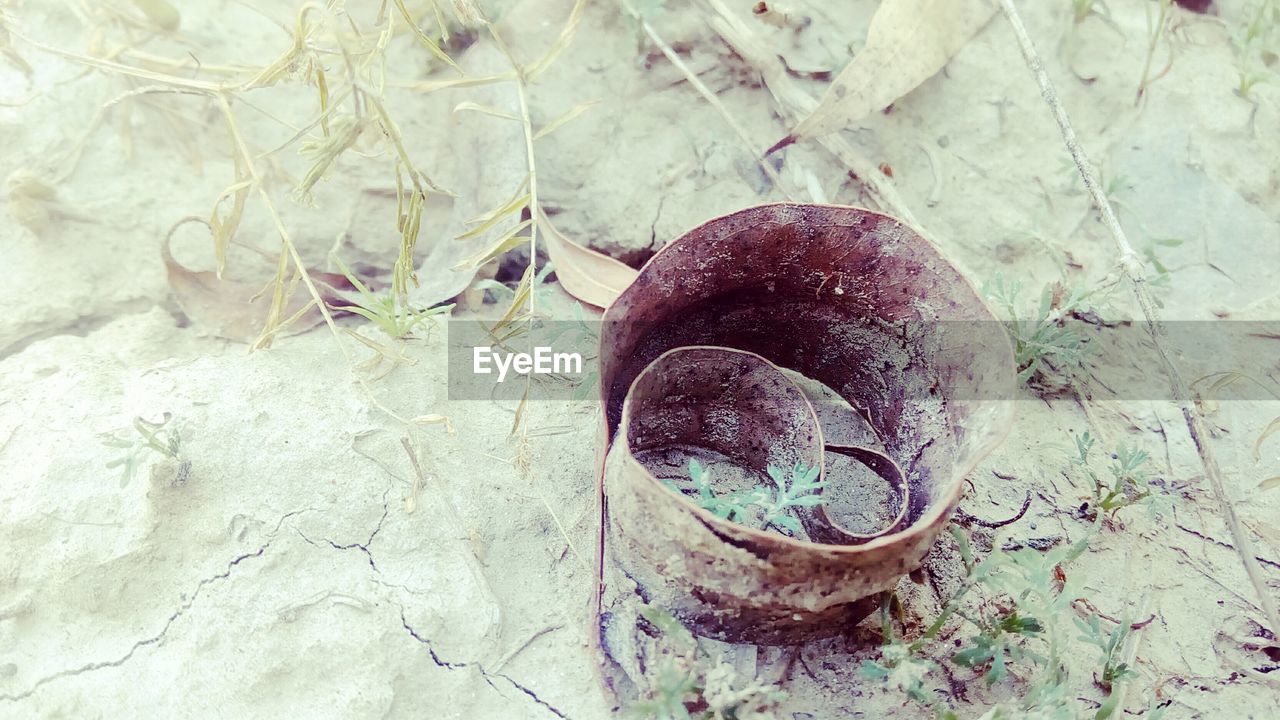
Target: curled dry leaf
(589, 276)
(848, 298)
(908, 42)
(232, 309)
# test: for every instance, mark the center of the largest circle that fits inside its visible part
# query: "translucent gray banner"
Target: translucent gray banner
(558, 360)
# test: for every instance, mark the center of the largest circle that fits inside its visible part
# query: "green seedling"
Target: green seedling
(1017, 622)
(997, 640)
(1043, 343)
(687, 677)
(1082, 9)
(394, 316)
(1111, 645)
(800, 491)
(1157, 28)
(1129, 482)
(148, 437)
(1257, 47)
(760, 505)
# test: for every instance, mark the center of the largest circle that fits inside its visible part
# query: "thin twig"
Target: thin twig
(1131, 266)
(709, 96)
(520, 648)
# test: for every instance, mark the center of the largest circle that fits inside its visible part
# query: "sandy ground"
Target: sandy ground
(284, 573)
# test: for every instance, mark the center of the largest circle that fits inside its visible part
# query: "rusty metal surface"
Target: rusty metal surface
(848, 297)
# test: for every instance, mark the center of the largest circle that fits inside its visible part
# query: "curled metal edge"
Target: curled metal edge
(901, 549)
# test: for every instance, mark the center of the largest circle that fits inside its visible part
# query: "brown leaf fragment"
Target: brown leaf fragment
(590, 276)
(908, 42)
(236, 309)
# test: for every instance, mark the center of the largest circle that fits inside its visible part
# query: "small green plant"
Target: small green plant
(1044, 342)
(1257, 47)
(148, 437)
(388, 311)
(1129, 482)
(1162, 274)
(760, 505)
(801, 491)
(1114, 670)
(687, 677)
(1157, 27)
(999, 637)
(1018, 634)
(1082, 9)
(1018, 623)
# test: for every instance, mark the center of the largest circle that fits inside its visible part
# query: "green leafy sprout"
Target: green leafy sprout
(1129, 482)
(1021, 625)
(688, 677)
(392, 315)
(1019, 618)
(1110, 644)
(1257, 47)
(760, 505)
(1043, 342)
(148, 437)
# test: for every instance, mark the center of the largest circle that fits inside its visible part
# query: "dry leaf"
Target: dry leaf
(830, 293)
(1269, 484)
(908, 42)
(592, 277)
(228, 308)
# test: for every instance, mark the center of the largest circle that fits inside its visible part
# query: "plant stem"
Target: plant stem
(1151, 45)
(696, 83)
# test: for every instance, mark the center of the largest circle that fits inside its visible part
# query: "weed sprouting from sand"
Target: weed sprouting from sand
(1044, 343)
(1016, 626)
(1109, 644)
(759, 506)
(147, 438)
(1157, 29)
(687, 676)
(390, 312)
(1127, 483)
(1257, 46)
(1019, 626)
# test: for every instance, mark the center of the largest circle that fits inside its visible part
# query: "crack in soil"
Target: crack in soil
(1228, 546)
(364, 546)
(485, 674)
(158, 637)
(653, 226)
(532, 694)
